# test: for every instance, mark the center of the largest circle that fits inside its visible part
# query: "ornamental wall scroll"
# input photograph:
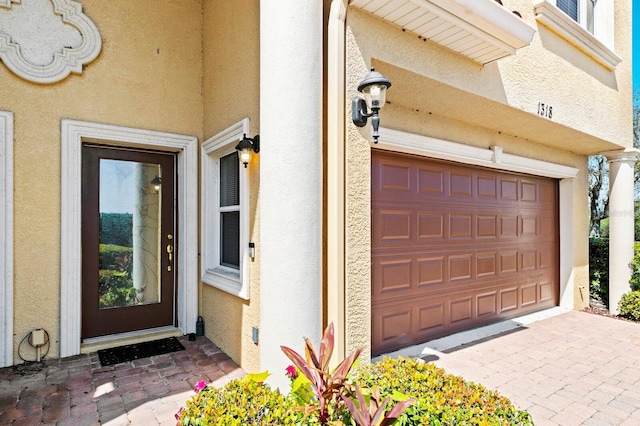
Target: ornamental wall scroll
(43, 41)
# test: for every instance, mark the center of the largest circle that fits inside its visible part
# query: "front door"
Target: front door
(128, 240)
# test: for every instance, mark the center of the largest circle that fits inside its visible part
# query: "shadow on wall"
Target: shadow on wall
(560, 47)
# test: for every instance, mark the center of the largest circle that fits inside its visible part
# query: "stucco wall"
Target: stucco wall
(441, 94)
(148, 75)
(231, 51)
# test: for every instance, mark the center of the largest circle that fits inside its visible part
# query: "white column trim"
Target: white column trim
(74, 133)
(495, 158)
(621, 222)
(336, 216)
(291, 203)
(6, 239)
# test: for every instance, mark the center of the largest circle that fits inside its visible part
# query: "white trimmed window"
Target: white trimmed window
(588, 25)
(225, 216)
(580, 11)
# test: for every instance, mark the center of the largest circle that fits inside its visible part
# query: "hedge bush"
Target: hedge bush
(116, 228)
(635, 268)
(599, 269)
(443, 399)
(629, 306)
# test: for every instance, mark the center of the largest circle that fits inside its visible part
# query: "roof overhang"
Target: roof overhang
(482, 30)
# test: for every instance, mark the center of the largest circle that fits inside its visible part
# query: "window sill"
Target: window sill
(226, 280)
(561, 24)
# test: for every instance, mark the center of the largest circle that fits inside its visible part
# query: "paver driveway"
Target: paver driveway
(572, 369)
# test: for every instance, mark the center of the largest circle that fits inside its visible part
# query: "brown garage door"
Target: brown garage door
(454, 247)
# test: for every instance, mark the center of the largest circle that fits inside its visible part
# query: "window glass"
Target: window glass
(230, 241)
(229, 180)
(570, 7)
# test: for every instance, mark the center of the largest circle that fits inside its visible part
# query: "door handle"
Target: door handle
(170, 254)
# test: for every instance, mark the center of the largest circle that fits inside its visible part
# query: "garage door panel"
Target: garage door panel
(486, 226)
(395, 176)
(487, 187)
(456, 246)
(431, 271)
(486, 265)
(460, 226)
(529, 294)
(460, 184)
(487, 304)
(508, 299)
(395, 226)
(394, 326)
(508, 226)
(431, 226)
(431, 181)
(461, 309)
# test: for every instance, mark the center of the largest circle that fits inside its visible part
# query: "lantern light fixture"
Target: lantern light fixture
(246, 147)
(156, 182)
(374, 89)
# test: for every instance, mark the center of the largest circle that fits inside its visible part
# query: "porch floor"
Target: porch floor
(78, 391)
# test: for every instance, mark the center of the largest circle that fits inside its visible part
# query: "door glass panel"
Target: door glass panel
(130, 253)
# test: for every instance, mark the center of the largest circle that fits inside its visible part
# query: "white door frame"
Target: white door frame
(74, 133)
(6, 239)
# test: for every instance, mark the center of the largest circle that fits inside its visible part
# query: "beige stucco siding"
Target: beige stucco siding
(148, 75)
(438, 93)
(231, 88)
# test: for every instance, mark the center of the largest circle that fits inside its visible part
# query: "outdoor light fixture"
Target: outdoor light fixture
(374, 89)
(245, 148)
(156, 182)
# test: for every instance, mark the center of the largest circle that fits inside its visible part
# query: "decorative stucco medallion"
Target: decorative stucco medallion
(43, 41)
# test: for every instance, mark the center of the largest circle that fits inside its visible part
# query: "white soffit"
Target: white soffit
(482, 30)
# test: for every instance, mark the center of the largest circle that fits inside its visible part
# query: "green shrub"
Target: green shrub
(116, 228)
(629, 306)
(116, 257)
(116, 289)
(599, 269)
(244, 401)
(442, 398)
(635, 268)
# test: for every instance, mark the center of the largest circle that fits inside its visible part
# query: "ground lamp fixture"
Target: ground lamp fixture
(245, 148)
(374, 89)
(156, 182)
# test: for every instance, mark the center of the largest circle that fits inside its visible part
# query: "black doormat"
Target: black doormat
(139, 350)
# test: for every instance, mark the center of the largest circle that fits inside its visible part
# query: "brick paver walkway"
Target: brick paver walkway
(77, 391)
(573, 369)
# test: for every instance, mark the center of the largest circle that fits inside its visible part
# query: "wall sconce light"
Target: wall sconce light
(156, 182)
(374, 89)
(245, 148)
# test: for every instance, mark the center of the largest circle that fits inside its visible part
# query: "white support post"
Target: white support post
(621, 227)
(290, 180)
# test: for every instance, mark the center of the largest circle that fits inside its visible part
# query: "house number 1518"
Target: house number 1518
(545, 110)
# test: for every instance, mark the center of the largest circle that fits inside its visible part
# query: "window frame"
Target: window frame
(599, 46)
(213, 273)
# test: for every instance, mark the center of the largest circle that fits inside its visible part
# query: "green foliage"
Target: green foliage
(115, 283)
(240, 402)
(629, 306)
(599, 269)
(116, 228)
(442, 399)
(635, 268)
(116, 289)
(328, 386)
